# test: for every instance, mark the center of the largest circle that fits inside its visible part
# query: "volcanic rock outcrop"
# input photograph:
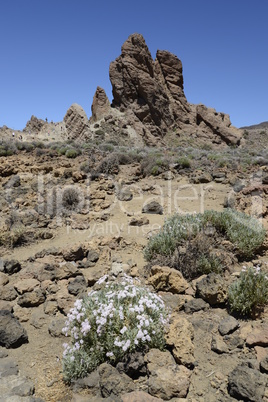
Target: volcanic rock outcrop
(100, 105)
(153, 91)
(76, 123)
(34, 125)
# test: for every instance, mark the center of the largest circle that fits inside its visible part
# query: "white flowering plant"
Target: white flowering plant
(249, 293)
(120, 317)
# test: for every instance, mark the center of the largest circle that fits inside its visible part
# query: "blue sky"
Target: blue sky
(56, 52)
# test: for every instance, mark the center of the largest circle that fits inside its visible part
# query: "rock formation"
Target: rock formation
(100, 105)
(76, 123)
(153, 91)
(34, 125)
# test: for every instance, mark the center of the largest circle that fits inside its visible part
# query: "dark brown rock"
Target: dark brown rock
(152, 93)
(100, 105)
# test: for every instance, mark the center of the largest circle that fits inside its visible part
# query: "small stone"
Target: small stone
(264, 365)
(139, 221)
(31, 299)
(218, 345)
(258, 337)
(166, 379)
(125, 195)
(26, 285)
(12, 266)
(55, 327)
(139, 396)
(180, 338)
(153, 207)
(3, 279)
(8, 293)
(194, 305)
(228, 325)
(213, 289)
(77, 285)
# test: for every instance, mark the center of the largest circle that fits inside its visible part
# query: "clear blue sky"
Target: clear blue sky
(56, 52)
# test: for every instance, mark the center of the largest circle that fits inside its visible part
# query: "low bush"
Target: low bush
(193, 243)
(70, 198)
(109, 165)
(184, 162)
(108, 323)
(154, 164)
(248, 294)
(71, 153)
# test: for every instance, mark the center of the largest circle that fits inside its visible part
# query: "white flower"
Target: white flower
(139, 334)
(123, 330)
(126, 345)
(102, 279)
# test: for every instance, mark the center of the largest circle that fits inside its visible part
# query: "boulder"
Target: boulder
(12, 334)
(112, 382)
(213, 289)
(180, 338)
(166, 379)
(219, 123)
(167, 279)
(153, 207)
(247, 384)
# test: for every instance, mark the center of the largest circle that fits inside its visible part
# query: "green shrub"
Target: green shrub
(154, 164)
(119, 318)
(62, 150)
(199, 234)
(248, 294)
(108, 165)
(106, 147)
(71, 153)
(184, 162)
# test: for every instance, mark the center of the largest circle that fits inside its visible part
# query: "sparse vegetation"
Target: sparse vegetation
(191, 243)
(248, 294)
(70, 198)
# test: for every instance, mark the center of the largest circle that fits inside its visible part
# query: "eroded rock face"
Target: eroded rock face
(153, 91)
(34, 125)
(76, 122)
(100, 105)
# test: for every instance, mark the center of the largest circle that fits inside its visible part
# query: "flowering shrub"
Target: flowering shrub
(120, 317)
(249, 292)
